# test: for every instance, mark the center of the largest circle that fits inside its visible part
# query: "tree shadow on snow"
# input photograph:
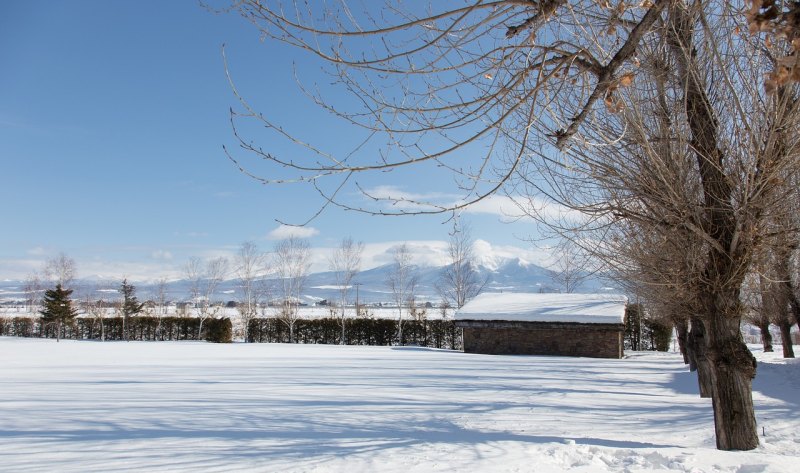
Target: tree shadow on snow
(314, 439)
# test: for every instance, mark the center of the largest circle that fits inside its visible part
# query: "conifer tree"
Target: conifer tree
(130, 305)
(57, 308)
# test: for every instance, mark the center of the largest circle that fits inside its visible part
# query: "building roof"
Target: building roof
(530, 307)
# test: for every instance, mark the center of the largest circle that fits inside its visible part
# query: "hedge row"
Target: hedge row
(427, 333)
(143, 328)
(360, 331)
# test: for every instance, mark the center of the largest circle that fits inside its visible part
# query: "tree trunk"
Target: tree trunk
(794, 303)
(733, 365)
(786, 337)
(734, 369)
(699, 358)
(400, 332)
(787, 302)
(682, 329)
(766, 335)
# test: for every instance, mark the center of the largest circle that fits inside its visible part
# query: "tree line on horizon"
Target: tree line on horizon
(288, 265)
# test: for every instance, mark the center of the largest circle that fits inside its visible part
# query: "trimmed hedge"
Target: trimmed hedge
(360, 331)
(142, 328)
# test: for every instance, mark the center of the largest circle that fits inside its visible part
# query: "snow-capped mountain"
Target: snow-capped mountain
(500, 274)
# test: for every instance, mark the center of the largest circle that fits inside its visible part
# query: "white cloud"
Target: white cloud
(113, 271)
(287, 231)
(423, 253)
(393, 198)
(499, 205)
(161, 255)
(19, 268)
(434, 253)
(38, 251)
(496, 204)
(489, 255)
(403, 198)
(504, 206)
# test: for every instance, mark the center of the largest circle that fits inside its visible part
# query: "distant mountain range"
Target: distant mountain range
(501, 275)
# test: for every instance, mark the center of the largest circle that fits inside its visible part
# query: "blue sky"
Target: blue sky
(112, 121)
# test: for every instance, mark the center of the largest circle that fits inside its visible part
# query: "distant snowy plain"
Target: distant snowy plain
(82, 406)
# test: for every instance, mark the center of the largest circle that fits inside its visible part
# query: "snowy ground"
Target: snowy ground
(192, 406)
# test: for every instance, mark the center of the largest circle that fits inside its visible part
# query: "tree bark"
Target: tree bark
(734, 370)
(766, 335)
(786, 337)
(786, 305)
(682, 329)
(794, 303)
(699, 358)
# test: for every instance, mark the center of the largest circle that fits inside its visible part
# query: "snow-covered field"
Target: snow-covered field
(192, 406)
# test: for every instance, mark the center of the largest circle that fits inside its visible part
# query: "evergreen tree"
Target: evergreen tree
(57, 308)
(130, 305)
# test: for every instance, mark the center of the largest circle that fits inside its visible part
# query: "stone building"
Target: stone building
(588, 325)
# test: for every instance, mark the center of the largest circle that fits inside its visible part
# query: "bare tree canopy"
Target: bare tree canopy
(443, 87)
(60, 270)
(203, 281)
(345, 262)
(401, 281)
(250, 267)
(459, 281)
(291, 262)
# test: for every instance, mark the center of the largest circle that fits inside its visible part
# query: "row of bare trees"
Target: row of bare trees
(664, 131)
(277, 280)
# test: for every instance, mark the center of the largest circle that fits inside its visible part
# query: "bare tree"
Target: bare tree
(203, 282)
(32, 287)
(401, 281)
(416, 312)
(477, 74)
(161, 303)
(60, 270)
(572, 266)
(250, 267)
(703, 148)
(577, 101)
(96, 306)
(777, 294)
(754, 293)
(345, 263)
(665, 269)
(216, 270)
(459, 281)
(194, 275)
(292, 260)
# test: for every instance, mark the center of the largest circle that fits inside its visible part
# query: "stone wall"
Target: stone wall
(539, 338)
